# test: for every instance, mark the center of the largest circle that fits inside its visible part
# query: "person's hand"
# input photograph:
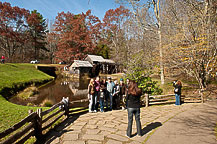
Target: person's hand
(88, 96)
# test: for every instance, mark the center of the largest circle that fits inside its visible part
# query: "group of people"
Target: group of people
(114, 95)
(107, 93)
(119, 95)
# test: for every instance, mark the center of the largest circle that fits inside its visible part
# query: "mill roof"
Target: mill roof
(95, 58)
(79, 63)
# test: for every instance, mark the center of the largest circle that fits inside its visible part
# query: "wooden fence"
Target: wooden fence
(149, 100)
(37, 123)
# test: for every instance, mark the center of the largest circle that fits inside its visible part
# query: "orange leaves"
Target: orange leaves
(77, 34)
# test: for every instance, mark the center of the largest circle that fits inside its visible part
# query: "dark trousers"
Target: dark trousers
(96, 98)
(136, 112)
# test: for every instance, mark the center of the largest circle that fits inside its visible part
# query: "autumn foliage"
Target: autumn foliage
(21, 33)
(77, 34)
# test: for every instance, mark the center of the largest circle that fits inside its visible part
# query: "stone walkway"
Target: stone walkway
(110, 127)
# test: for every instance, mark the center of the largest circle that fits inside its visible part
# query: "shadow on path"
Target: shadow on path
(150, 127)
(59, 129)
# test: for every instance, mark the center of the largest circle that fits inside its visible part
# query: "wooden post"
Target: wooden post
(30, 111)
(38, 125)
(67, 107)
(147, 100)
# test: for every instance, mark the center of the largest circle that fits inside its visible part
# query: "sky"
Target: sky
(50, 8)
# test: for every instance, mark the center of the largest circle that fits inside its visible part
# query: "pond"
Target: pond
(75, 89)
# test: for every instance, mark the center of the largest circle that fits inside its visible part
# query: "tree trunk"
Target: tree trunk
(157, 14)
(161, 54)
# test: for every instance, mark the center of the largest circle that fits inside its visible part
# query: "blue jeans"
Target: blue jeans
(136, 112)
(101, 102)
(91, 103)
(111, 100)
(177, 96)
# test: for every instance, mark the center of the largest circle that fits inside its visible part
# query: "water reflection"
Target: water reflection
(75, 89)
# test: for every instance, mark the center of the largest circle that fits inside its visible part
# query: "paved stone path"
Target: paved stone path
(110, 127)
(195, 126)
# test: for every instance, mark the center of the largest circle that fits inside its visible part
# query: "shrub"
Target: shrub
(47, 103)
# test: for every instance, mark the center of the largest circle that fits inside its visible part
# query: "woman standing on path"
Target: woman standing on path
(91, 93)
(97, 85)
(133, 100)
(177, 91)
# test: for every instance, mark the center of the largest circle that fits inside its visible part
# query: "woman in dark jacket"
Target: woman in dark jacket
(133, 100)
(177, 90)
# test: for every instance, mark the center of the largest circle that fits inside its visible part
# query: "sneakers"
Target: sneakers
(94, 111)
(127, 136)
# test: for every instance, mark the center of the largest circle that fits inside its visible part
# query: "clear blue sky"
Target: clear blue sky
(50, 8)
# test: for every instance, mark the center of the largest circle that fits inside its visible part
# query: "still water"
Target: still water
(75, 89)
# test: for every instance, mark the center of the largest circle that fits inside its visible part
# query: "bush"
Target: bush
(144, 81)
(47, 103)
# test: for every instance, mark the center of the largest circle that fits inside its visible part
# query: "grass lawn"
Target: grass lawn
(13, 77)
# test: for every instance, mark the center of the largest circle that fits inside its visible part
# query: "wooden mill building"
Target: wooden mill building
(81, 67)
(93, 65)
(101, 65)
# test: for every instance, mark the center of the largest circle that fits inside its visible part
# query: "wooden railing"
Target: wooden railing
(168, 99)
(37, 123)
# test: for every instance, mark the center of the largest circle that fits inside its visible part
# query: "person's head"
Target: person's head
(98, 78)
(179, 83)
(104, 80)
(109, 79)
(102, 87)
(128, 81)
(115, 82)
(92, 81)
(133, 89)
(121, 81)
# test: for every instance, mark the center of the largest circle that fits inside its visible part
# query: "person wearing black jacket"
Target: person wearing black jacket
(177, 90)
(133, 101)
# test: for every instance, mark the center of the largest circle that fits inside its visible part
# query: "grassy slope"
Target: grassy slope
(10, 76)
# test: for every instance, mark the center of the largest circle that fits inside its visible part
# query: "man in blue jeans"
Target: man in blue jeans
(110, 90)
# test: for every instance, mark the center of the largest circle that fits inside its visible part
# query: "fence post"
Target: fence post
(147, 100)
(30, 111)
(38, 125)
(66, 105)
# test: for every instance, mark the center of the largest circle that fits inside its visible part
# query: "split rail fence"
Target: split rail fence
(149, 100)
(38, 123)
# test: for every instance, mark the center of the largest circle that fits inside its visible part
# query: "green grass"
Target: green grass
(14, 77)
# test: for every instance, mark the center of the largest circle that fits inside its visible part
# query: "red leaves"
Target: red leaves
(77, 33)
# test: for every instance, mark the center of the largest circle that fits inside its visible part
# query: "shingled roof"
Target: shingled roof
(109, 61)
(79, 63)
(95, 58)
